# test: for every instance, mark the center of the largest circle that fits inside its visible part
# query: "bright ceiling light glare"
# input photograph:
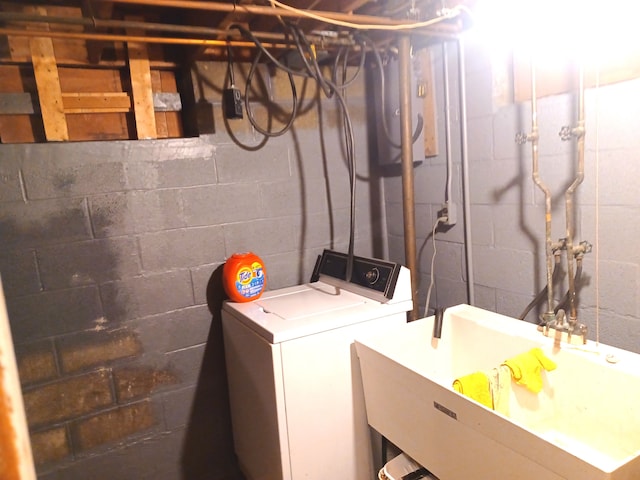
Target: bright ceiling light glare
(553, 31)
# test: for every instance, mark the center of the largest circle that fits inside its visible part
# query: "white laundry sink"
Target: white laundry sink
(583, 425)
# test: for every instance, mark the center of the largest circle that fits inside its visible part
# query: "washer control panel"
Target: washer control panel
(377, 275)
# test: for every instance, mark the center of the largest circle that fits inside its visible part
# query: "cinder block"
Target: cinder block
(24, 225)
(187, 247)
(54, 313)
(85, 263)
(112, 426)
(49, 445)
(174, 330)
(200, 277)
(65, 177)
(89, 349)
(135, 212)
(251, 236)
(293, 197)
(36, 362)
(68, 398)
(504, 269)
(19, 273)
(147, 295)
(175, 415)
(480, 135)
(319, 230)
(239, 166)
(10, 187)
(180, 171)
(217, 204)
(153, 457)
(186, 363)
(140, 381)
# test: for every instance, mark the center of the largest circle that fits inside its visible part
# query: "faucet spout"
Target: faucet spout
(569, 330)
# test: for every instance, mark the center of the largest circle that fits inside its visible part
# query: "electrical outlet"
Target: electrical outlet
(232, 102)
(449, 213)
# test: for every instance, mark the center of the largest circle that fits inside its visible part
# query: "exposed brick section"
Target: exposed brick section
(36, 362)
(68, 398)
(50, 445)
(113, 425)
(136, 382)
(89, 349)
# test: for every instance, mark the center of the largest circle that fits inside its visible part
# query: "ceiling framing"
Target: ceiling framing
(201, 29)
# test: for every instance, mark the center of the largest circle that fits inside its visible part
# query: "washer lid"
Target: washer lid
(294, 312)
(317, 299)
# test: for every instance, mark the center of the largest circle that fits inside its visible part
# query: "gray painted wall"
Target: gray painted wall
(126, 236)
(507, 209)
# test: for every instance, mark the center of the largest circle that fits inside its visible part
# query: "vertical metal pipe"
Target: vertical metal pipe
(464, 160)
(447, 120)
(408, 205)
(534, 137)
(579, 132)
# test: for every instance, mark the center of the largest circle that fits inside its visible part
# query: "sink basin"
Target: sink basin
(583, 425)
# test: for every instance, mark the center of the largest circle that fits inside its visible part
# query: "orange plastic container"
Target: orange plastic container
(244, 277)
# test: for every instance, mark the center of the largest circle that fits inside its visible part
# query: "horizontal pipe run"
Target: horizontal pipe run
(441, 28)
(96, 23)
(200, 42)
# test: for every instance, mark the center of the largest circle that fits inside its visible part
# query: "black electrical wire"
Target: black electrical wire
(541, 294)
(564, 303)
(247, 103)
(232, 76)
(312, 70)
(385, 126)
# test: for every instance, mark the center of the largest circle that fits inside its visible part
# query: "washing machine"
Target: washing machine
(297, 406)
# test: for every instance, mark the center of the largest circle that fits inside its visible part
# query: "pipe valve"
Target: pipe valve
(566, 132)
(522, 138)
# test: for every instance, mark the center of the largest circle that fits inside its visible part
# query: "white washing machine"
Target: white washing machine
(297, 405)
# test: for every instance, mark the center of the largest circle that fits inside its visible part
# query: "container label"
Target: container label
(250, 280)
(445, 410)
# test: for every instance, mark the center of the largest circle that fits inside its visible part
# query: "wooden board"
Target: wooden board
(49, 92)
(426, 90)
(141, 88)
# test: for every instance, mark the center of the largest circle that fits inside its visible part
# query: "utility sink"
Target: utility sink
(583, 425)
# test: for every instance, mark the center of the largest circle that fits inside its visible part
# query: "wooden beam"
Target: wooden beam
(426, 90)
(140, 72)
(110, 102)
(94, 49)
(48, 84)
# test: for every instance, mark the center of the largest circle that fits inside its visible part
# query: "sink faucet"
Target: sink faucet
(576, 332)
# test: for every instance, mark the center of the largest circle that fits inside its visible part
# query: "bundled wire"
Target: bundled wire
(383, 114)
(330, 87)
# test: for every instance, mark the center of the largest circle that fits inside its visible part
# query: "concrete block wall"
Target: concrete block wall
(110, 256)
(507, 209)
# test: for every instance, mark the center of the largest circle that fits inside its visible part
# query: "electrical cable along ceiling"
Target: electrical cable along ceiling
(200, 28)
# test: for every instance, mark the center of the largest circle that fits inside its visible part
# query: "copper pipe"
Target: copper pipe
(579, 133)
(534, 138)
(136, 38)
(260, 10)
(408, 204)
(440, 29)
(156, 27)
